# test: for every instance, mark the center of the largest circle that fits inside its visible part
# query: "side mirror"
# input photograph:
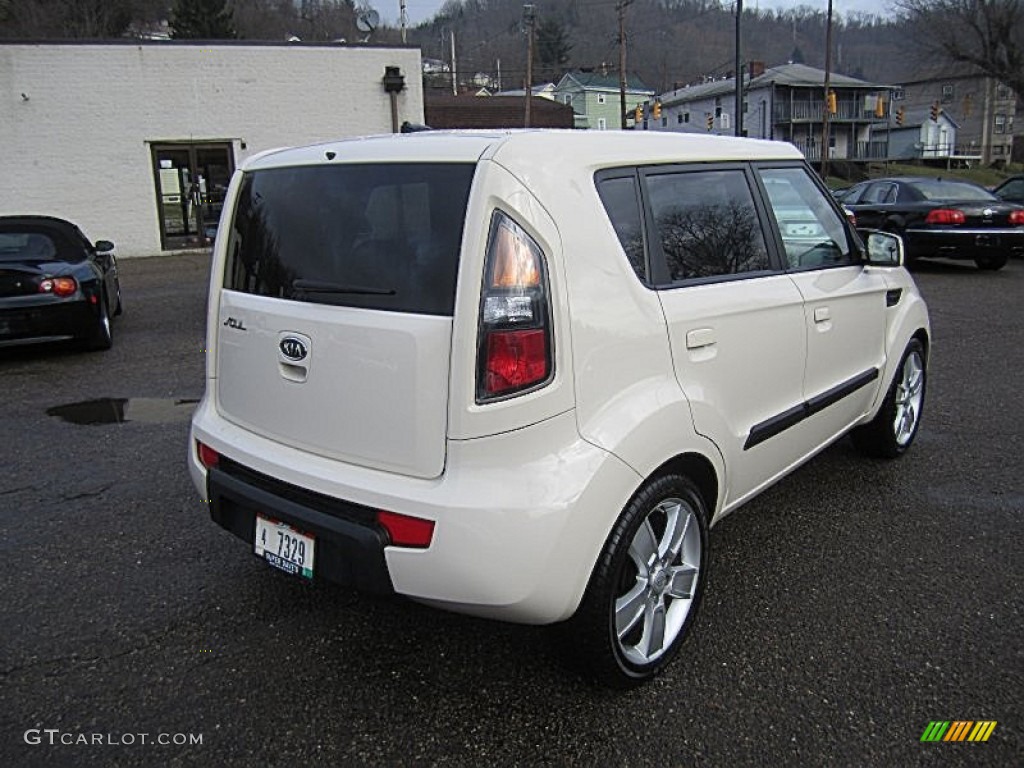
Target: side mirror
(884, 248)
(104, 246)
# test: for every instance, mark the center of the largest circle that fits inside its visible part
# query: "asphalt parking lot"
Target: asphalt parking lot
(848, 606)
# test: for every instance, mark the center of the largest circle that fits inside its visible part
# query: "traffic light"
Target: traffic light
(711, 121)
(936, 109)
(656, 110)
(833, 105)
(880, 106)
(900, 116)
(638, 114)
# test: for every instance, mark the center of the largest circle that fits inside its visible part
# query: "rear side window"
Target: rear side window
(379, 236)
(707, 224)
(622, 203)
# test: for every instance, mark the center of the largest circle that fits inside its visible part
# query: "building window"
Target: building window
(947, 94)
(602, 124)
(664, 122)
(679, 118)
(897, 94)
(600, 98)
(718, 111)
(1003, 93)
(998, 149)
(724, 118)
(1000, 123)
(686, 117)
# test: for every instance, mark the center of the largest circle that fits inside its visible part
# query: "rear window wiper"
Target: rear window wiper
(319, 286)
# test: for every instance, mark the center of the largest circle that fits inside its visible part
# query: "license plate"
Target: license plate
(284, 547)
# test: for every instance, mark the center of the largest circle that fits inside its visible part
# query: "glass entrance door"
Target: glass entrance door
(191, 182)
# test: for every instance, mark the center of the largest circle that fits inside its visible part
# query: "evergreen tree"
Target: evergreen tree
(202, 20)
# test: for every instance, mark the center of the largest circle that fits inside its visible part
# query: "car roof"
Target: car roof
(61, 225)
(523, 147)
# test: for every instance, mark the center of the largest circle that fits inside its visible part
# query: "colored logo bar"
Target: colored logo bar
(958, 730)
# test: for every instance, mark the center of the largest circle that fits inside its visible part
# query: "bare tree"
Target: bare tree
(987, 35)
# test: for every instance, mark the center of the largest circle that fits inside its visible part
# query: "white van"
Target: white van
(519, 374)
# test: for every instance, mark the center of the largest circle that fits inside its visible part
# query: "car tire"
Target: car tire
(102, 336)
(895, 426)
(646, 586)
(991, 263)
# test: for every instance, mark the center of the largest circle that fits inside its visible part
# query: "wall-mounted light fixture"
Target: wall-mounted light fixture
(394, 84)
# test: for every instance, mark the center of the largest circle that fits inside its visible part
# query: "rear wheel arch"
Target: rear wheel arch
(700, 470)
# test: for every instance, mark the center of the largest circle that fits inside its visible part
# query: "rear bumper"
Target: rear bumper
(43, 319)
(520, 518)
(349, 546)
(966, 243)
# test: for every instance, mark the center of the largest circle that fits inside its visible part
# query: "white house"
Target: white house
(783, 103)
(135, 141)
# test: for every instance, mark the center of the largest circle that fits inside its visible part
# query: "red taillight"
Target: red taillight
(945, 216)
(208, 457)
(406, 531)
(515, 359)
(58, 286)
(1016, 218)
(514, 347)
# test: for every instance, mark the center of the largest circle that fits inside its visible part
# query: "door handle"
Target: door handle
(822, 315)
(700, 337)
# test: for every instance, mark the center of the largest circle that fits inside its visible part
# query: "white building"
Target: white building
(135, 141)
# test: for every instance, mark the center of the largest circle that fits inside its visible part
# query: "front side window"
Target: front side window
(379, 236)
(706, 224)
(813, 233)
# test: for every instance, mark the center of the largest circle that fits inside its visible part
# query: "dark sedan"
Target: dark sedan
(944, 218)
(55, 284)
(1011, 190)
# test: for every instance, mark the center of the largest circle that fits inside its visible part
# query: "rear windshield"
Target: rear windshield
(952, 190)
(31, 243)
(380, 236)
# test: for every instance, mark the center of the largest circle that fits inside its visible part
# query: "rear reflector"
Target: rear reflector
(208, 457)
(406, 531)
(945, 216)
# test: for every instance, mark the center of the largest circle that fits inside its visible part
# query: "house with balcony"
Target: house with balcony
(596, 100)
(783, 103)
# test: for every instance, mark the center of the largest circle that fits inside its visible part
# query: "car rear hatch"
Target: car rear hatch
(335, 321)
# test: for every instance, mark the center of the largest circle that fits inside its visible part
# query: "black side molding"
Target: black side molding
(776, 424)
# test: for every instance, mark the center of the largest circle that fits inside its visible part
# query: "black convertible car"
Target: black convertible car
(941, 218)
(55, 284)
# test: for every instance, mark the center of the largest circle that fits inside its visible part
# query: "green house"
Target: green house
(594, 98)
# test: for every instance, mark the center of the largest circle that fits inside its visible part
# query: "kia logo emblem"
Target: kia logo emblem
(293, 348)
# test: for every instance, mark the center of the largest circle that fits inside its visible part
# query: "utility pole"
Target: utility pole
(531, 20)
(620, 7)
(455, 76)
(738, 121)
(403, 18)
(828, 83)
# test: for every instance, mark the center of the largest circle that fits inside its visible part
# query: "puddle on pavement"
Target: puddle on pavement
(117, 410)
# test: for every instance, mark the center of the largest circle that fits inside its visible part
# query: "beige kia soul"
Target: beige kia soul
(519, 374)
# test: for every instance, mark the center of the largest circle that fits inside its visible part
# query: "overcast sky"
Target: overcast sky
(421, 10)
